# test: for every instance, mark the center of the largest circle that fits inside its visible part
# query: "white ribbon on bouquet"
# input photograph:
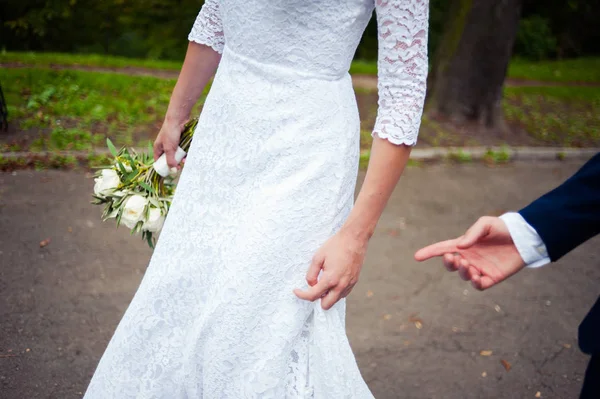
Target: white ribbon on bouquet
(162, 168)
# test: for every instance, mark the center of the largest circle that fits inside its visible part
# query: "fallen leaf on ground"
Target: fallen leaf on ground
(568, 346)
(417, 321)
(70, 229)
(44, 243)
(538, 394)
(369, 294)
(484, 374)
(402, 223)
(497, 308)
(506, 364)
(387, 316)
(486, 353)
(27, 350)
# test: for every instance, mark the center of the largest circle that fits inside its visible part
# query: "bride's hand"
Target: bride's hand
(341, 259)
(167, 142)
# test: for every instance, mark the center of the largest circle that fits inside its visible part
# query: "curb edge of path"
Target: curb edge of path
(510, 153)
(462, 154)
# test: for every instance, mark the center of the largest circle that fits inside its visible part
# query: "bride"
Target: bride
(244, 295)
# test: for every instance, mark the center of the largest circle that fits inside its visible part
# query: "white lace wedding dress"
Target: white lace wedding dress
(270, 176)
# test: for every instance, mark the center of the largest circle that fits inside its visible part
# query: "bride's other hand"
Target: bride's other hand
(167, 142)
(340, 260)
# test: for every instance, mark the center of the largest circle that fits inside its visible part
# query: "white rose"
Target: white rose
(106, 182)
(155, 221)
(133, 211)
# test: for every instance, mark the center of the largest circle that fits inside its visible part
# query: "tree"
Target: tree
(470, 64)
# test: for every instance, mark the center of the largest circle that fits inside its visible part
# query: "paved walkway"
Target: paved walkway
(417, 331)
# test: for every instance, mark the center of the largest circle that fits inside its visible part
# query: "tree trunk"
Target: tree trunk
(470, 65)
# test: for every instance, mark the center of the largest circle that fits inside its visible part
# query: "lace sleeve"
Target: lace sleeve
(402, 67)
(208, 29)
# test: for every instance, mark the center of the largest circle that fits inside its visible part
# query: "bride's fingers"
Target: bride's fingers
(158, 149)
(314, 269)
(313, 293)
(330, 299)
(346, 292)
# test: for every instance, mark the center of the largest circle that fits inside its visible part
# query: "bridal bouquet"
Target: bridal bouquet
(136, 191)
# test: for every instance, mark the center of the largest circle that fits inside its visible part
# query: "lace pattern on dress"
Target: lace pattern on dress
(402, 66)
(208, 28)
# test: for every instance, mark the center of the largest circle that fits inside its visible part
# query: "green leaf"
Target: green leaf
(146, 235)
(146, 186)
(130, 176)
(121, 167)
(111, 147)
(138, 227)
(119, 214)
(118, 203)
(130, 160)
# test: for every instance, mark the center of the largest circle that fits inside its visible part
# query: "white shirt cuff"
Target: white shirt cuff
(528, 242)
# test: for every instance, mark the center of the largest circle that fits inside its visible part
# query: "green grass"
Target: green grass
(56, 110)
(575, 70)
(90, 60)
(497, 157)
(580, 70)
(567, 116)
(109, 61)
(360, 67)
(461, 157)
(75, 110)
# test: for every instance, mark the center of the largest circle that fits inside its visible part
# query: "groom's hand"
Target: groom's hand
(485, 254)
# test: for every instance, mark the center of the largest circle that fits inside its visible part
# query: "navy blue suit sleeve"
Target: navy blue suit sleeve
(570, 214)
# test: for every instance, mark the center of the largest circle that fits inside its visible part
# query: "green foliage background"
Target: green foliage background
(158, 29)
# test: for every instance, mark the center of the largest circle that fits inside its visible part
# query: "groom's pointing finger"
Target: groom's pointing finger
(437, 249)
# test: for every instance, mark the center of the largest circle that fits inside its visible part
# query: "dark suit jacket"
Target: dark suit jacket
(565, 218)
